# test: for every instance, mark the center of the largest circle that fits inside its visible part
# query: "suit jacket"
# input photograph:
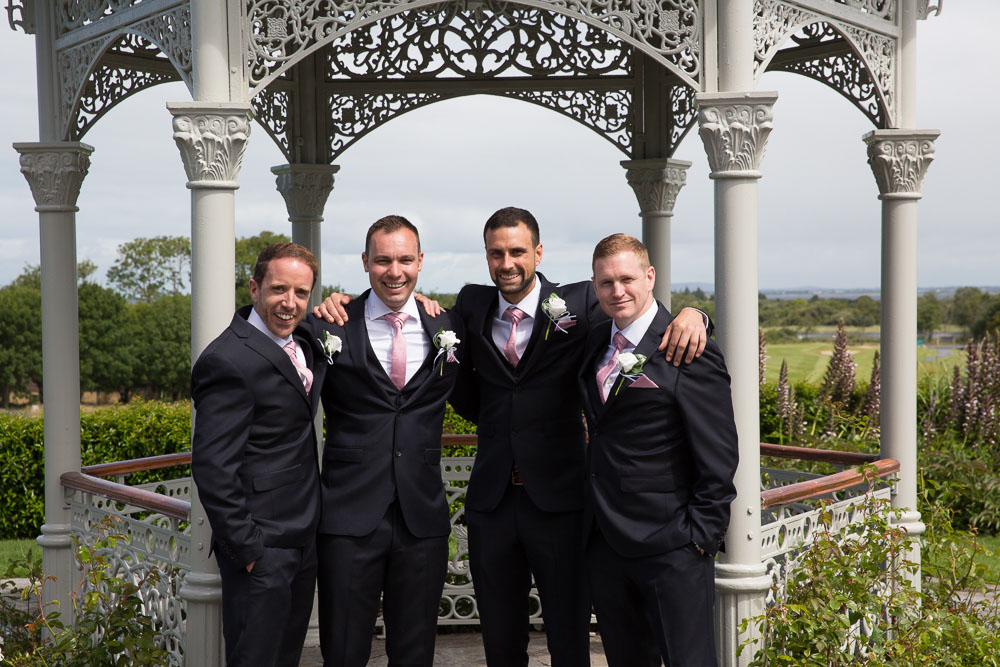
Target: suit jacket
(382, 442)
(253, 451)
(529, 415)
(660, 461)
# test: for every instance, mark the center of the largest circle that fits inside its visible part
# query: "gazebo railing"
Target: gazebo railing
(155, 517)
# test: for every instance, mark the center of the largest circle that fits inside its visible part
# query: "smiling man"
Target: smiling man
(659, 473)
(385, 526)
(524, 507)
(253, 458)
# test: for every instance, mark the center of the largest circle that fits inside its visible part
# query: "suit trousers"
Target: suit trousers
(653, 606)
(407, 571)
(506, 547)
(265, 613)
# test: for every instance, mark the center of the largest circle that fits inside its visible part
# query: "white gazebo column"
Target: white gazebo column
(212, 138)
(305, 189)
(656, 182)
(899, 161)
(55, 172)
(734, 128)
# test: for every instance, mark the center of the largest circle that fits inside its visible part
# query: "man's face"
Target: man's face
(624, 288)
(512, 259)
(282, 297)
(393, 262)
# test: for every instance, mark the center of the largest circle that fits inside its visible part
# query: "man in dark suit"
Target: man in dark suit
(385, 523)
(524, 344)
(660, 461)
(253, 458)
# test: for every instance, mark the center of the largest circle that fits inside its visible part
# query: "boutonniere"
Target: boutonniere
(446, 341)
(555, 309)
(331, 345)
(631, 367)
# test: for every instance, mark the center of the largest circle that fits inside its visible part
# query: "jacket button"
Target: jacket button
(398, 453)
(594, 475)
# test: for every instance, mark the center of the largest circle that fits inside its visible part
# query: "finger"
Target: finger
(683, 343)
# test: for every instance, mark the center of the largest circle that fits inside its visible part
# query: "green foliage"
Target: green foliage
(110, 627)
(861, 575)
(148, 268)
(105, 360)
(160, 348)
(110, 434)
(20, 340)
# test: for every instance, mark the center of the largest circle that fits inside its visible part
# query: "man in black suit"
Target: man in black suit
(524, 346)
(385, 523)
(253, 458)
(660, 461)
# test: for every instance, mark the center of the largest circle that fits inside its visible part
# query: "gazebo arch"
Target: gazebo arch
(239, 57)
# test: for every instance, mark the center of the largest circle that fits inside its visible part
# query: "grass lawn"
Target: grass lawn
(807, 361)
(16, 550)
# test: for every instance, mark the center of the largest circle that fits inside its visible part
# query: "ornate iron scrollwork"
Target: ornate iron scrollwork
(21, 15)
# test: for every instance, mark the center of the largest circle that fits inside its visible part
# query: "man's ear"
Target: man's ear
(364, 261)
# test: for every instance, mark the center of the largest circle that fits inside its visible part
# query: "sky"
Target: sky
(448, 166)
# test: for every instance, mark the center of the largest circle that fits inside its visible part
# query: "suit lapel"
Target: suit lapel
(268, 349)
(356, 331)
(646, 347)
(485, 328)
(428, 369)
(534, 350)
(597, 343)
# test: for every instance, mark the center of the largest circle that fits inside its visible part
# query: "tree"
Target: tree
(105, 364)
(967, 306)
(989, 321)
(247, 249)
(160, 346)
(31, 276)
(928, 313)
(20, 340)
(148, 268)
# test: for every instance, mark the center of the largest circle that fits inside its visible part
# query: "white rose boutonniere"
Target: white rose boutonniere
(631, 367)
(446, 341)
(331, 345)
(555, 309)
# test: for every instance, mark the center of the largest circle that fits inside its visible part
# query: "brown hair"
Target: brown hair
(612, 245)
(281, 251)
(388, 225)
(512, 217)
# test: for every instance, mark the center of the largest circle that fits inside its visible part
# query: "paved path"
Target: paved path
(465, 649)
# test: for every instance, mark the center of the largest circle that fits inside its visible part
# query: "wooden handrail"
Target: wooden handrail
(148, 500)
(814, 488)
(138, 465)
(811, 454)
(459, 439)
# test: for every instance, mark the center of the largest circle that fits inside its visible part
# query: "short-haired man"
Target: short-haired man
(660, 463)
(385, 525)
(253, 458)
(524, 508)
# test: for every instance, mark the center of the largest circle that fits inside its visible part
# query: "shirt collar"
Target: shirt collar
(637, 329)
(528, 305)
(258, 323)
(374, 308)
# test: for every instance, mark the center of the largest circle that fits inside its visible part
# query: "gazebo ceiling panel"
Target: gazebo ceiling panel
(280, 32)
(866, 76)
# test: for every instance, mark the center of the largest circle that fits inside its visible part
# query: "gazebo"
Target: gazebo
(317, 75)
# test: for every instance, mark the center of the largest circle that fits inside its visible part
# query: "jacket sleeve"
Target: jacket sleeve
(224, 406)
(705, 399)
(465, 395)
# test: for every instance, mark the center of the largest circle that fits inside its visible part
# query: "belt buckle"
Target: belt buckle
(515, 477)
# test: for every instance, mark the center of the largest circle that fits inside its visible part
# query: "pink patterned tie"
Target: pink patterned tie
(514, 315)
(602, 375)
(397, 367)
(305, 374)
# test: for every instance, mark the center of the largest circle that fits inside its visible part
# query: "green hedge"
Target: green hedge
(109, 434)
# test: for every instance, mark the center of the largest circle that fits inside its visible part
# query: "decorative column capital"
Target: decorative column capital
(899, 160)
(305, 188)
(212, 138)
(55, 172)
(734, 128)
(656, 182)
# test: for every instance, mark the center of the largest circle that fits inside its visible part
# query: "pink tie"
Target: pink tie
(514, 315)
(602, 375)
(305, 374)
(397, 367)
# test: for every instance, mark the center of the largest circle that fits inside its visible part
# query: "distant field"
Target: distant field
(808, 360)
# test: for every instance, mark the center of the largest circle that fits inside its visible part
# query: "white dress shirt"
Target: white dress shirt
(258, 323)
(634, 333)
(381, 333)
(501, 327)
